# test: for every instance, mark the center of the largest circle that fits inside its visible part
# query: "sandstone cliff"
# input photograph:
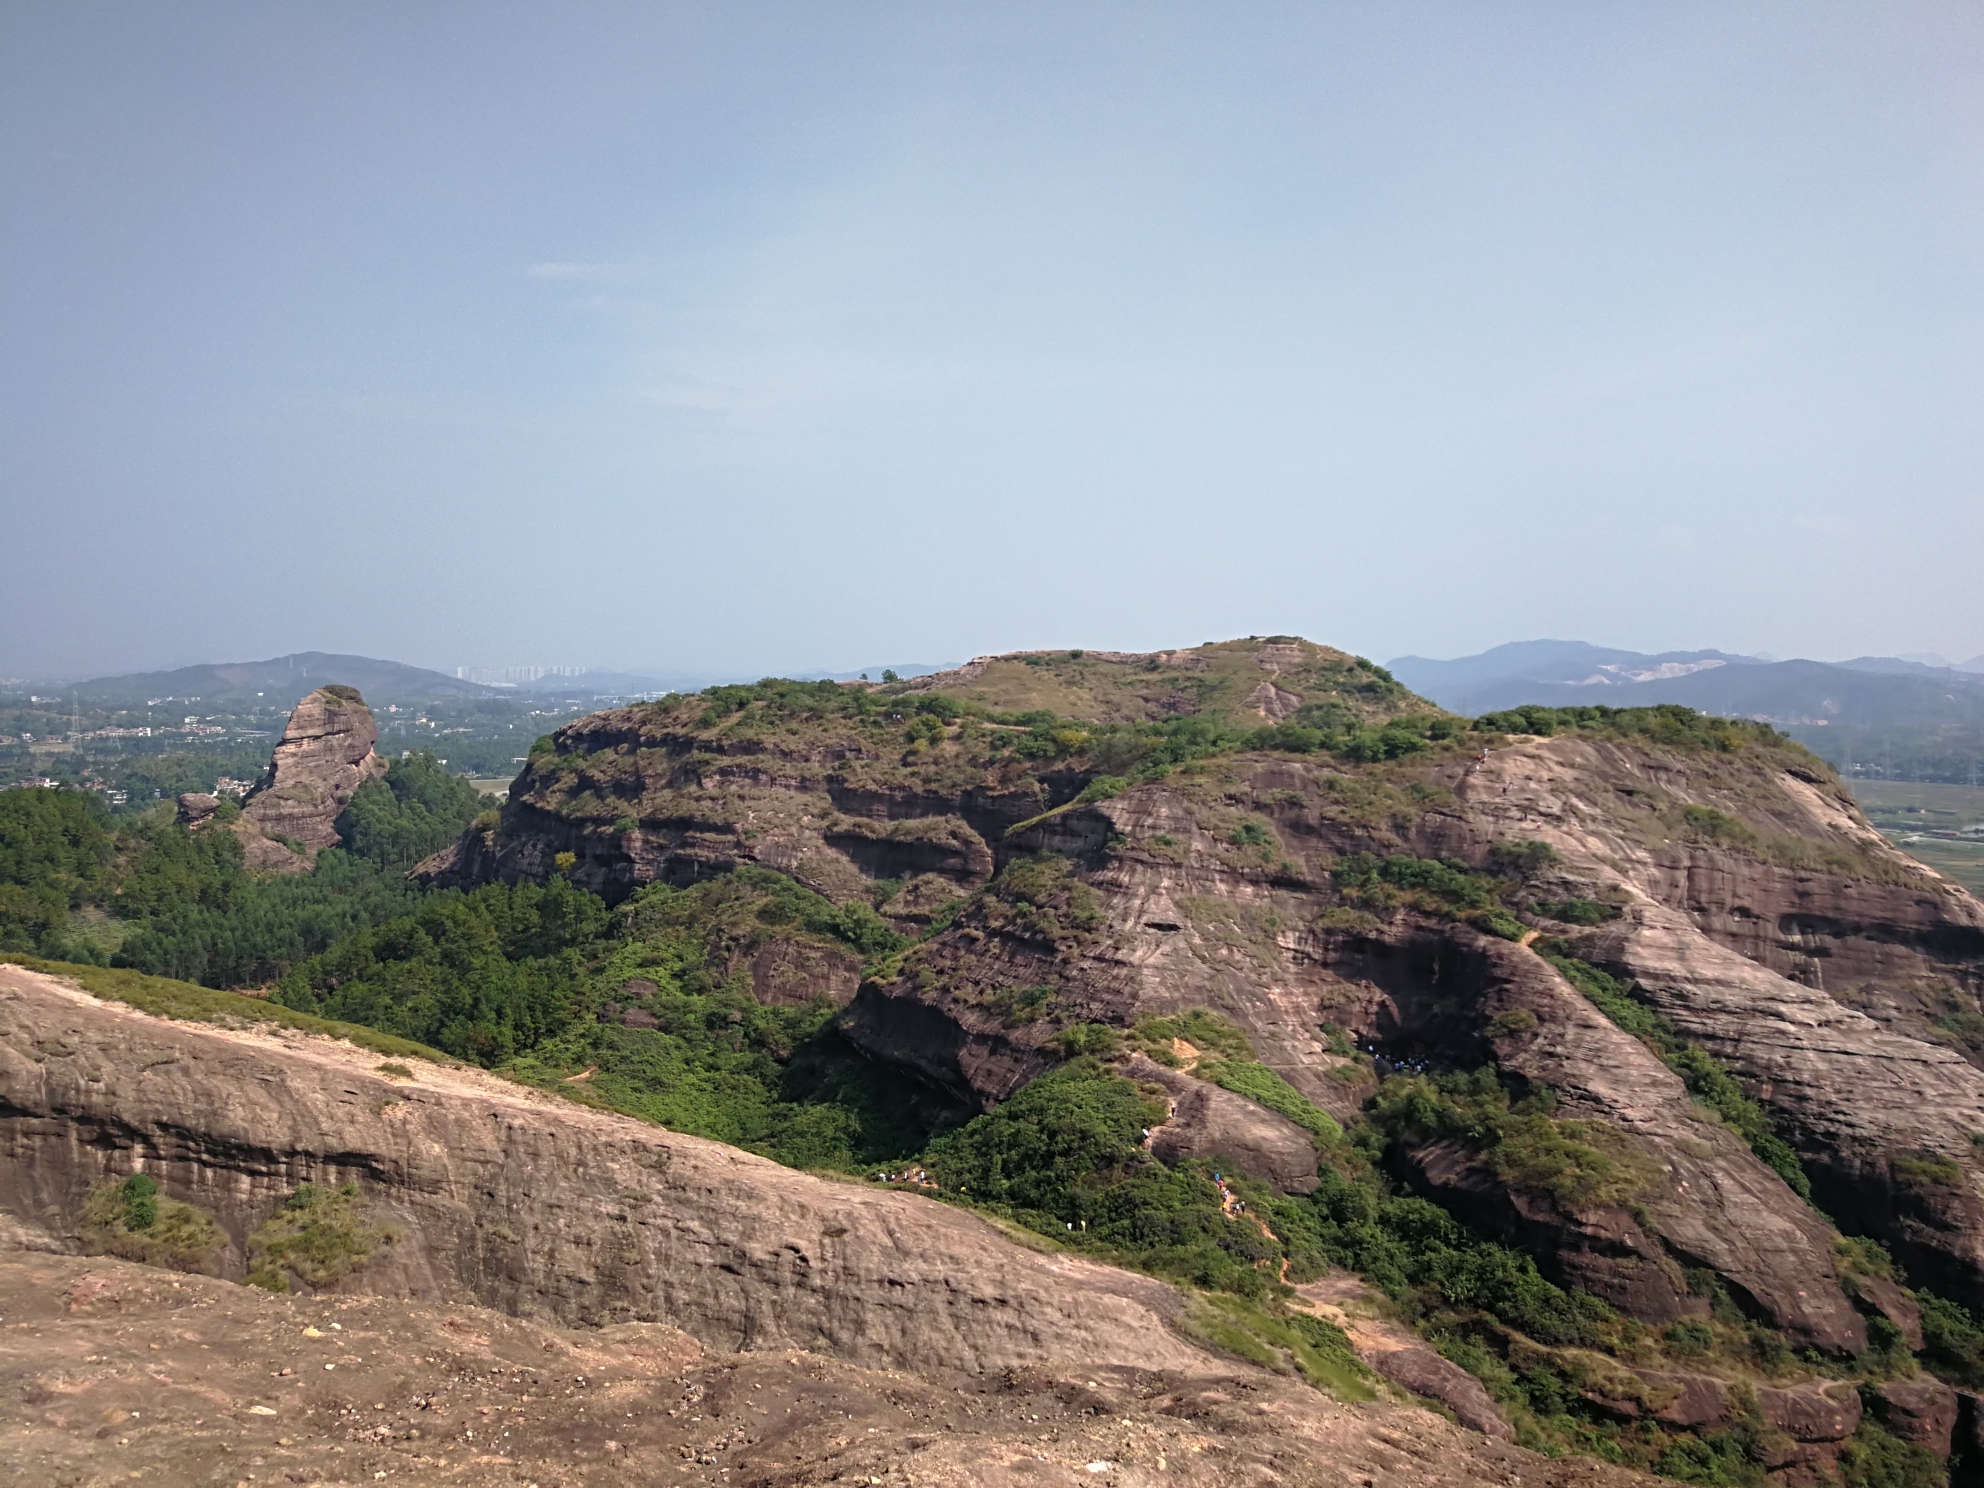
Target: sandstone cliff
(771, 1313)
(1755, 907)
(325, 754)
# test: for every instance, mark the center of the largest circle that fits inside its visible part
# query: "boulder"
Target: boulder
(1879, 1295)
(1922, 1410)
(1210, 1122)
(1675, 1398)
(195, 809)
(1424, 1372)
(1812, 1412)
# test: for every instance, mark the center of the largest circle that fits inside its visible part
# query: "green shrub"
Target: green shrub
(1522, 860)
(319, 1235)
(1577, 911)
(1689, 1337)
(134, 1220)
(1924, 1169)
(1088, 1038)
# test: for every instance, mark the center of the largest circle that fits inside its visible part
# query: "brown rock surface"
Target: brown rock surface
(1812, 1412)
(325, 754)
(1784, 935)
(1921, 1409)
(194, 809)
(544, 1209)
(109, 1369)
(1207, 1121)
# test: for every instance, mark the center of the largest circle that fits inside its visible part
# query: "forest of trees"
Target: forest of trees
(77, 884)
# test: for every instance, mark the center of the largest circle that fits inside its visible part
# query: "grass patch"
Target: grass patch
(1287, 1342)
(1264, 1087)
(133, 1219)
(319, 1236)
(188, 1002)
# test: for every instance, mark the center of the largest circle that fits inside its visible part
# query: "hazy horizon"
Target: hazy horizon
(690, 672)
(767, 337)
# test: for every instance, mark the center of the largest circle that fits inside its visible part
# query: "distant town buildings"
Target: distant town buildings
(513, 676)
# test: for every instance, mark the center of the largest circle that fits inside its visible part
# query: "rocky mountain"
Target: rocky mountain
(1609, 919)
(326, 752)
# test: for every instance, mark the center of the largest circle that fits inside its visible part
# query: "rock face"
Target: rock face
(325, 754)
(1206, 1121)
(1754, 909)
(1922, 1410)
(535, 1206)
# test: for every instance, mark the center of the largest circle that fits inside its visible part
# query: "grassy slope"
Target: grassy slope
(188, 1002)
(1212, 681)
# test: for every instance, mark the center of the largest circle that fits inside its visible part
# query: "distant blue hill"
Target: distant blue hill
(1867, 692)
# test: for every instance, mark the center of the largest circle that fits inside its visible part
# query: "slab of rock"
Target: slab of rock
(545, 1209)
(1424, 1372)
(1891, 1302)
(195, 809)
(1812, 1412)
(1922, 1410)
(1211, 1122)
(1675, 1398)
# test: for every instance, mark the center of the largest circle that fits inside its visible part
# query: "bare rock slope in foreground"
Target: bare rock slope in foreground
(614, 1255)
(112, 1370)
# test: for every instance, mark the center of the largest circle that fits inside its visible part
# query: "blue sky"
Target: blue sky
(784, 336)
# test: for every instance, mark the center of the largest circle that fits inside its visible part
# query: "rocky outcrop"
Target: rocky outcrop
(1807, 955)
(1205, 1121)
(1920, 1409)
(325, 754)
(1755, 908)
(540, 1208)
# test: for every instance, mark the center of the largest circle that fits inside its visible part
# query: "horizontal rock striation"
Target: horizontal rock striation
(541, 1209)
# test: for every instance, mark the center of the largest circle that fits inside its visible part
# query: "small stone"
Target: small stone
(313, 1332)
(260, 1410)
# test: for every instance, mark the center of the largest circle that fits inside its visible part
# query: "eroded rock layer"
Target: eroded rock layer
(1749, 901)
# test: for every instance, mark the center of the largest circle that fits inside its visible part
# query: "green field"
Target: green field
(1936, 824)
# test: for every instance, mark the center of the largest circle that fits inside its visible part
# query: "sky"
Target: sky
(759, 337)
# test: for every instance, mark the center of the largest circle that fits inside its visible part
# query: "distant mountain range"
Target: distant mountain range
(281, 680)
(1867, 692)
(598, 681)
